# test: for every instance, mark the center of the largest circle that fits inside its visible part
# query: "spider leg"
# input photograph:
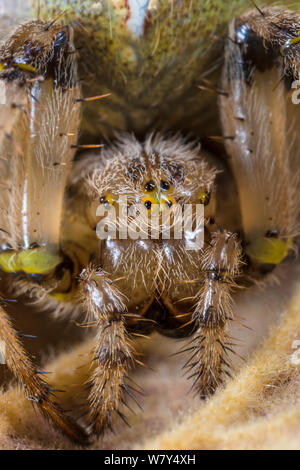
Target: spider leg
(38, 125)
(36, 389)
(39, 119)
(113, 353)
(260, 114)
(210, 358)
(38, 129)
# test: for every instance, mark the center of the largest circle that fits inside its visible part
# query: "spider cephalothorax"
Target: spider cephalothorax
(148, 251)
(110, 245)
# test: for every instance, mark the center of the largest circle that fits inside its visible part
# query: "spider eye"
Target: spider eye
(149, 186)
(204, 197)
(107, 200)
(148, 202)
(168, 203)
(148, 205)
(165, 186)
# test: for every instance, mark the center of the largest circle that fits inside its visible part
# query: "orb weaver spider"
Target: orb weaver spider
(153, 82)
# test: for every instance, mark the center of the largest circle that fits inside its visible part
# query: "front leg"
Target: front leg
(260, 113)
(38, 131)
(113, 352)
(211, 343)
(36, 389)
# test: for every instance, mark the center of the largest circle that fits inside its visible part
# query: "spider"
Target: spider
(158, 78)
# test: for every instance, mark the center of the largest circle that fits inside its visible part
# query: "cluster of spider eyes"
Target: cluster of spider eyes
(152, 196)
(165, 199)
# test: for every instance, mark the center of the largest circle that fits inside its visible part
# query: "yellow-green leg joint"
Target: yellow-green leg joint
(32, 261)
(268, 250)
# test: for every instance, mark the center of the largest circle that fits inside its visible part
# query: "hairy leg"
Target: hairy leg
(38, 75)
(211, 344)
(38, 129)
(35, 388)
(260, 118)
(113, 354)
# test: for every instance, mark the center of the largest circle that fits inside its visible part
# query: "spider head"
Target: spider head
(157, 178)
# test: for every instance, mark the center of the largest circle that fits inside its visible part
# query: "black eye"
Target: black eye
(164, 185)
(148, 205)
(102, 199)
(204, 197)
(169, 204)
(149, 186)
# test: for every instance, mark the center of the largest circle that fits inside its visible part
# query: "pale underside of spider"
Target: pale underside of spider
(127, 288)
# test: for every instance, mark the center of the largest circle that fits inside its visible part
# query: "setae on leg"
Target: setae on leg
(211, 344)
(113, 354)
(35, 388)
(260, 115)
